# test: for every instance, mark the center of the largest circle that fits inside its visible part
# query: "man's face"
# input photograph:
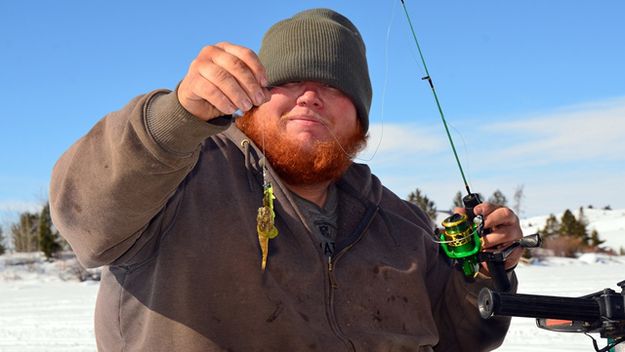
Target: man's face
(307, 112)
(308, 130)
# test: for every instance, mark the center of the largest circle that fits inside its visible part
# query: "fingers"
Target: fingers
(505, 230)
(249, 57)
(496, 217)
(223, 78)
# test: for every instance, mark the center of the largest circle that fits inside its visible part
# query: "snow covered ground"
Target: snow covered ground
(41, 312)
(43, 307)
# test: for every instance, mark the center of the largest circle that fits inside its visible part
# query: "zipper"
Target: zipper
(332, 260)
(334, 326)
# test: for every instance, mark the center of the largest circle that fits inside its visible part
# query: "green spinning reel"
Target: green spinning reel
(460, 237)
(461, 241)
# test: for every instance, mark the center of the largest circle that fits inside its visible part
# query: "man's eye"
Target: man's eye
(292, 84)
(332, 89)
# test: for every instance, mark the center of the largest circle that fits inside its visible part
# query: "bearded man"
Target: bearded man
(165, 194)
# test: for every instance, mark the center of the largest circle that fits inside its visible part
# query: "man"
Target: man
(165, 193)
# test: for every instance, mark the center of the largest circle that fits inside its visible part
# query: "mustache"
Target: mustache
(308, 115)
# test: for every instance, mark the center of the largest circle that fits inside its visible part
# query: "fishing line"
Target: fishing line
(384, 88)
(384, 85)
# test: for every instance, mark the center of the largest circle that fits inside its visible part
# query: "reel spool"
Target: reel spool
(460, 239)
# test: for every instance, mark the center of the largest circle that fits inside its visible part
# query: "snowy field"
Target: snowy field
(43, 307)
(41, 312)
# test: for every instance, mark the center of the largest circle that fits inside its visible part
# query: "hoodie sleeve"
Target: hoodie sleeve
(460, 326)
(108, 186)
(454, 304)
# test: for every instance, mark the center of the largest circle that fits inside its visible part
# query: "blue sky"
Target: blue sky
(534, 90)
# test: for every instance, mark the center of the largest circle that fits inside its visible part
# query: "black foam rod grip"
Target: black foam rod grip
(470, 201)
(491, 303)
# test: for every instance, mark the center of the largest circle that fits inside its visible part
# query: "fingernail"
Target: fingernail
(247, 105)
(264, 82)
(231, 109)
(260, 98)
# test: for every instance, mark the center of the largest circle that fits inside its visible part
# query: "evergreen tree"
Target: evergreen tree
(595, 241)
(47, 237)
(423, 202)
(573, 228)
(518, 199)
(24, 233)
(498, 198)
(568, 223)
(2, 246)
(552, 227)
(582, 225)
(457, 201)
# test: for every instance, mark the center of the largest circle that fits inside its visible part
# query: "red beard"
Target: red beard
(327, 161)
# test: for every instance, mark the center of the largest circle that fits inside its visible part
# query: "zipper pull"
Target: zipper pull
(331, 273)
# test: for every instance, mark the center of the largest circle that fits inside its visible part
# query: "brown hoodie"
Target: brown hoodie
(168, 203)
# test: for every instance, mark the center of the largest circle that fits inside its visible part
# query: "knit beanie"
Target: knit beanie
(319, 45)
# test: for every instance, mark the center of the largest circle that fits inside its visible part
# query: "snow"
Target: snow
(50, 316)
(43, 306)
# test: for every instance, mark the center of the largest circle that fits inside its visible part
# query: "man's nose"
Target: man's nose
(311, 95)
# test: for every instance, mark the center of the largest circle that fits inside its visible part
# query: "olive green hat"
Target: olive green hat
(319, 45)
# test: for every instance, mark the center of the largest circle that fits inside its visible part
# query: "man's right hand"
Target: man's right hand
(223, 78)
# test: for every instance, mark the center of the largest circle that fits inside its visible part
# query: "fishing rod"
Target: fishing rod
(461, 235)
(601, 312)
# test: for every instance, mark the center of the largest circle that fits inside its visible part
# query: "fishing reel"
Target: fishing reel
(461, 240)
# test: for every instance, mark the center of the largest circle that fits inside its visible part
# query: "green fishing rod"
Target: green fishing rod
(460, 236)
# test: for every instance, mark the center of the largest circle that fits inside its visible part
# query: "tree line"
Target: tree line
(34, 232)
(498, 198)
(565, 237)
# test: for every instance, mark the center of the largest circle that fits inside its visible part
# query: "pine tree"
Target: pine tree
(423, 202)
(518, 199)
(595, 241)
(552, 227)
(568, 223)
(498, 198)
(582, 224)
(47, 237)
(574, 228)
(457, 201)
(24, 233)
(2, 246)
